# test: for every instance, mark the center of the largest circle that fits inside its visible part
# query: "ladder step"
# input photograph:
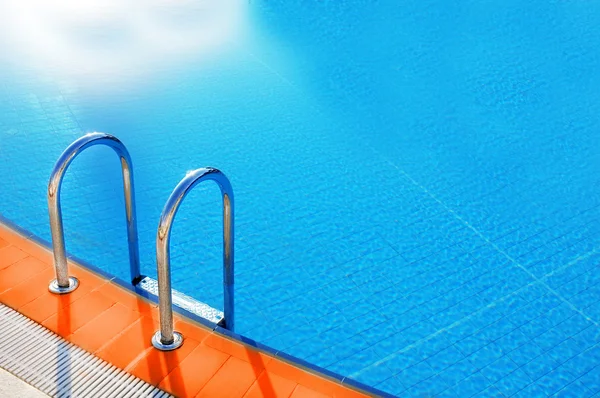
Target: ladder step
(184, 301)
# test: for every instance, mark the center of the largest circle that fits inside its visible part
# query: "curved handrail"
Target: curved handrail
(166, 338)
(63, 283)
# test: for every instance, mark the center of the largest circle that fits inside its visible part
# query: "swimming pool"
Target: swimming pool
(417, 185)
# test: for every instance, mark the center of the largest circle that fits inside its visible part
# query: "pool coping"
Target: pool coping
(300, 364)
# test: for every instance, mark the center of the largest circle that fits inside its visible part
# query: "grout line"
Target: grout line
(492, 244)
(133, 363)
(71, 361)
(98, 314)
(312, 370)
(573, 262)
(444, 329)
(117, 335)
(253, 383)
(493, 304)
(269, 68)
(27, 281)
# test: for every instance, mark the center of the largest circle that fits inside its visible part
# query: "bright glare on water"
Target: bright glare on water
(417, 183)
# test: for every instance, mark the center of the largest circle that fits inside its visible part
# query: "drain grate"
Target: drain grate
(59, 368)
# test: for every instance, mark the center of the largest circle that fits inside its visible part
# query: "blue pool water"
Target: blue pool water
(417, 184)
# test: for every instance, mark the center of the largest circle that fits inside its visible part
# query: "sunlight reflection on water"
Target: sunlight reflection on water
(115, 38)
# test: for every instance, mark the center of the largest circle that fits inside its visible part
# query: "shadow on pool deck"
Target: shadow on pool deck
(117, 326)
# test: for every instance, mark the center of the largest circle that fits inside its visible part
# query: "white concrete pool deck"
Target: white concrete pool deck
(12, 386)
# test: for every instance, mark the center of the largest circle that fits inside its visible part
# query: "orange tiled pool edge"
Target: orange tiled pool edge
(117, 325)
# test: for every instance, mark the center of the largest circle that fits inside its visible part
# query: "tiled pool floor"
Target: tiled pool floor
(417, 201)
(407, 288)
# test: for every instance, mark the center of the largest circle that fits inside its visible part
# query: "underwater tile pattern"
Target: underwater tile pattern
(420, 213)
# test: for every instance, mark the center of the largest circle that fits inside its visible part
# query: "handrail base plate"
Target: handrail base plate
(56, 289)
(159, 345)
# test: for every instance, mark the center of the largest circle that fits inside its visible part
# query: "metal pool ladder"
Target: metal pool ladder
(166, 338)
(63, 282)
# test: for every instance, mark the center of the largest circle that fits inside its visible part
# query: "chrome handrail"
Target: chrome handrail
(63, 283)
(166, 338)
